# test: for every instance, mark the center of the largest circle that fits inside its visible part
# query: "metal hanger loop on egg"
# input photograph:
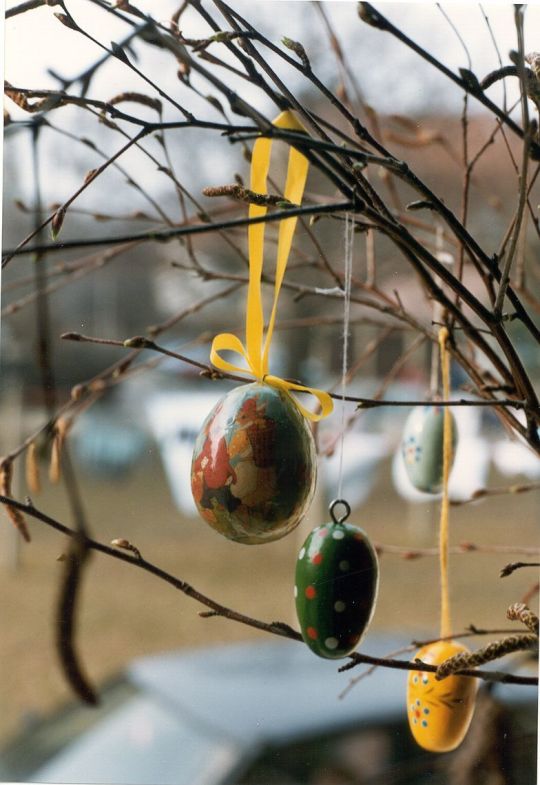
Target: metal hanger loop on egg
(333, 506)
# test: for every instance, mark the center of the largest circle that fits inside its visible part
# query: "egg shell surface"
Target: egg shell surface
(440, 712)
(254, 465)
(422, 447)
(336, 584)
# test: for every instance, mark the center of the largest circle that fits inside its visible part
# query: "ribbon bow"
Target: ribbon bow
(257, 347)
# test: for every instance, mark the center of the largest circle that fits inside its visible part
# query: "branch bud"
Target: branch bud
(213, 101)
(371, 17)
(67, 21)
(89, 176)
(299, 51)
(77, 392)
(121, 542)
(470, 80)
(97, 386)
(222, 37)
(119, 53)
(137, 342)
(57, 222)
(419, 204)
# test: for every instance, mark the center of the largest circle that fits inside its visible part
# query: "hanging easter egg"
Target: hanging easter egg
(422, 447)
(254, 468)
(336, 583)
(439, 712)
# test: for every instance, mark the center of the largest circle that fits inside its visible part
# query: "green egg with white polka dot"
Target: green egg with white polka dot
(336, 584)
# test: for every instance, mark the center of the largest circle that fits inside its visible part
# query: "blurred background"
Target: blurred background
(132, 448)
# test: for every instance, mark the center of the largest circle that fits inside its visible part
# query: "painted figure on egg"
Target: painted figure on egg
(251, 451)
(253, 469)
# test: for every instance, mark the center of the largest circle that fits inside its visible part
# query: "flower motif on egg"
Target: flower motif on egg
(439, 712)
(412, 451)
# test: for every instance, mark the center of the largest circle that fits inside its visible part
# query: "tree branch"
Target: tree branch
(168, 234)
(141, 342)
(275, 628)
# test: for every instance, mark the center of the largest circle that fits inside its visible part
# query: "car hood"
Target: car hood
(255, 693)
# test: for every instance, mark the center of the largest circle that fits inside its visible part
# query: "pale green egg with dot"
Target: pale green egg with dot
(422, 447)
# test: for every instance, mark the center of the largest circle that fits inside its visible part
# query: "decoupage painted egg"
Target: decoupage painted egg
(422, 447)
(337, 578)
(439, 712)
(254, 465)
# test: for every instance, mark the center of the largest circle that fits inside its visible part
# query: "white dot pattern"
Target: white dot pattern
(331, 643)
(302, 553)
(344, 566)
(338, 535)
(339, 606)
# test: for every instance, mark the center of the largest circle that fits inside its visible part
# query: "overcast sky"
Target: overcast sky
(392, 78)
(36, 41)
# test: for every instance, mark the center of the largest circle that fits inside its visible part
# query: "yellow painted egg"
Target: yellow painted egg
(440, 712)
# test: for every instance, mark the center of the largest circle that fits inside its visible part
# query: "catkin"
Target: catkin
(55, 462)
(16, 516)
(33, 480)
(60, 432)
(492, 651)
(520, 612)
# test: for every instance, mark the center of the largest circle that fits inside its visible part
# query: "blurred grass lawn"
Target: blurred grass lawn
(125, 612)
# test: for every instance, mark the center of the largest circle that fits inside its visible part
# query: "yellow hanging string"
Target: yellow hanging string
(257, 347)
(445, 505)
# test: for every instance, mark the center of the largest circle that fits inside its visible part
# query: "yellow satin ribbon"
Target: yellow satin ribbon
(257, 347)
(445, 501)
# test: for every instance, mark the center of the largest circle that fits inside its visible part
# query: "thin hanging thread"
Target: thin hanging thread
(349, 237)
(436, 316)
(445, 506)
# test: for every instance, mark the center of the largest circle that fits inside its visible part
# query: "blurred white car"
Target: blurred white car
(175, 419)
(259, 714)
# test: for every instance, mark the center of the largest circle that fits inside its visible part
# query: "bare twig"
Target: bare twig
(29, 5)
(168, 234)
(482, 493)
(517, 565)
(276, 628)
(141, 342)
(372, 17)
(527, 141)
(346, 159)
(62, 210)
(413, 646)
